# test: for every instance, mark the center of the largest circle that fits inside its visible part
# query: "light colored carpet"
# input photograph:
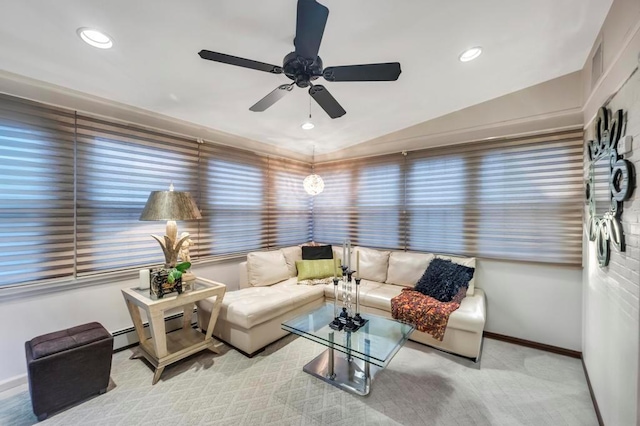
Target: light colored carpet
(513, 386)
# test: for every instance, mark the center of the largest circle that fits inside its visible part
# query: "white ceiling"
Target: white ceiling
(154, 63)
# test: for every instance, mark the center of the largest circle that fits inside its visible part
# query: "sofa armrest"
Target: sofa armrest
(243, 275)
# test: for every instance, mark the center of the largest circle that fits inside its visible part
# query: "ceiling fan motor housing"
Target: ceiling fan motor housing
(302, 70)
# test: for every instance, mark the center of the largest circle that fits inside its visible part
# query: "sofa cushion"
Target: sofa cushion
(373, 264)
(443, 279)
(406, 269)
(317, 252)
(266, 267)
(379, 297)
(314, 269)
(249, 307)
(466, 261)
(365, 286)
(291, 254)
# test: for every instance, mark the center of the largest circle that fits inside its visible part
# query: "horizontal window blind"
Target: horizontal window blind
(333, 209)
(289, 205)
(118, 167)
(517, 198)
(233, 192)
(36, 189)
(362, 201)
(73, 187)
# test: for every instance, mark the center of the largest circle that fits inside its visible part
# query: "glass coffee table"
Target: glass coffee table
(352, 358)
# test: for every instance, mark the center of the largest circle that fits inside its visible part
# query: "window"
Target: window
(379, 205)
(528, 202)
(517, 198)
(362, 201)
(117, 167)
(436, 199)
(36, 189)
(73, 187)
(232, 201)
(289, 204)
(332, 209)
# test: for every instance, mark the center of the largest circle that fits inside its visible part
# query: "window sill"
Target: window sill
(34, 289)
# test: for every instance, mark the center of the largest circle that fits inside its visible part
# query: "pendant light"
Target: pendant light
(313, 183)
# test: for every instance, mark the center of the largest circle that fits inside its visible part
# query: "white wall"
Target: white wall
(22, 319)
(533, 301)
(611, 303)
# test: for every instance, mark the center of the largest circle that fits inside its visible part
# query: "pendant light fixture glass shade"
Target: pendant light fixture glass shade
(313, 183)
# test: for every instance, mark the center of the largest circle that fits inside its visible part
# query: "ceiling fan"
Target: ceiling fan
(304, 65)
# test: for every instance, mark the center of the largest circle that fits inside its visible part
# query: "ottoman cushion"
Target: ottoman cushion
(49, 344)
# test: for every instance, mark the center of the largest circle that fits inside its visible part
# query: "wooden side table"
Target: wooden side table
(163, 349)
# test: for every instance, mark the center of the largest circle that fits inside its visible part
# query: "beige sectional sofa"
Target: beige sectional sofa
(269, 294)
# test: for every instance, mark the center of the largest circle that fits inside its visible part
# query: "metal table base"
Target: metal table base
(343, 371)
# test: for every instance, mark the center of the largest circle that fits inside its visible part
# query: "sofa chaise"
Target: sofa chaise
(269, 294)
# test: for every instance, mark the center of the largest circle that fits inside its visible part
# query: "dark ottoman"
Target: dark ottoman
(68, 366)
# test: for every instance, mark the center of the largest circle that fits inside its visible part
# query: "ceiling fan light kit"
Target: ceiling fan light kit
(303, 65)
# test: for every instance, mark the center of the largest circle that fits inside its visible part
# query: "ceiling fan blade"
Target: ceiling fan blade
(311, 20)
(370, 72)
(273, 97)
(328, 103)
(240, 62)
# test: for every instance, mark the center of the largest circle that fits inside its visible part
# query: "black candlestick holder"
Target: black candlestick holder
(343, 320)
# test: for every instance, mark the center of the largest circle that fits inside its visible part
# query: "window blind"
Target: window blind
(73, 187)
(288, 204)
(233, 191)
(362, 201)
(117, 167)
(36, 189)
(516, 198)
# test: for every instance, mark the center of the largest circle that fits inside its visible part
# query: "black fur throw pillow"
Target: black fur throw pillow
(443, 279)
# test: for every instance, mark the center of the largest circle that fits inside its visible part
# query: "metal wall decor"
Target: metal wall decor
(615, 177)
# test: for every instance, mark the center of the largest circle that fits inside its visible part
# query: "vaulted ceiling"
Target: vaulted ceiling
(154, 63)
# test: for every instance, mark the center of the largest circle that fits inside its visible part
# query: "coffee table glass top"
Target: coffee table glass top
(376, 342)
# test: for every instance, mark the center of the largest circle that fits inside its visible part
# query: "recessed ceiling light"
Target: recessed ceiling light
(95, 38)
(307, 125)
(470, 54)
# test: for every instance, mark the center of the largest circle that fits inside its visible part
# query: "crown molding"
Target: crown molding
(558, 120)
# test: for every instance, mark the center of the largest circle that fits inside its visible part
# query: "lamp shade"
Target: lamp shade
(170, 205)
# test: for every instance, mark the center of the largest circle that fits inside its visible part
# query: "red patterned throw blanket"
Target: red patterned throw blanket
(424, 312)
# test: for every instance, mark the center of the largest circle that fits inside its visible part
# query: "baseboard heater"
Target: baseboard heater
(127, 337)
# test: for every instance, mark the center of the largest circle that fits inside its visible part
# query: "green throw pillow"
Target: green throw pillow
(314, 269)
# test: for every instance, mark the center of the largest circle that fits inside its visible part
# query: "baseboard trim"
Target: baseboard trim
(534, 345)
(593, 395)
(13, 382)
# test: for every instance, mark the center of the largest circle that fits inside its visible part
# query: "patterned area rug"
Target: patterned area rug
(513, 386)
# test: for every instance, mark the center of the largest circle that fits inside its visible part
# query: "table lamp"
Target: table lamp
(170, 206)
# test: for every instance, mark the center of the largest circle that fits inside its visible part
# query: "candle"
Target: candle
(145, 279)
(335, 268)
(349, 254)
(344, 253)
(358, 264)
